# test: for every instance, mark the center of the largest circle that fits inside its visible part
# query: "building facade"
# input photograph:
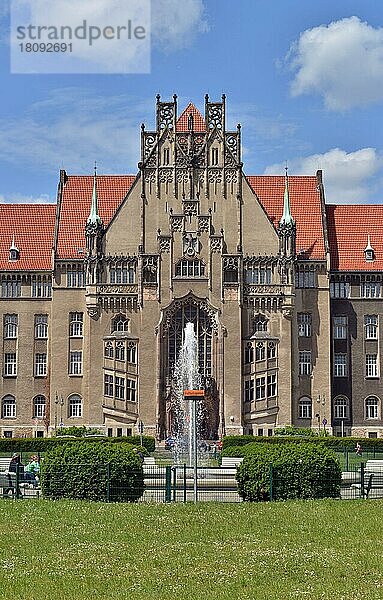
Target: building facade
(96, 291)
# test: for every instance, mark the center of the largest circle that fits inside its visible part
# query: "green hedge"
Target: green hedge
(92, 471)
(46, 444)
(303, 470)
(337, 443)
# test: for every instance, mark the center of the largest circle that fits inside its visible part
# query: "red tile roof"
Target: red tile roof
(75, 207)
(305, 207)
(348, 229)
(32, 225)
(199, 124)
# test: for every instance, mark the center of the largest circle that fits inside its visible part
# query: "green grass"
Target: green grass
(79, 550)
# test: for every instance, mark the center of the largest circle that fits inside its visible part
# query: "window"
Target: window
(341, 408)
(260, 352)
(119, 388)
(304, 324)
(371, 365)
(120, 323)
(39, 405)
(40, 365)
(41, 287)
(230, 275)
(260, 388)
(249, 353)
(10, 364)
(166, 155)
(120, 350)
(305, 362)
(41, 327)
(259, 276)
(8, 407)
(305, 408)
(271, 350)
(370, 289)
(260, 323)
(10, 326)
(75, 363)
(271, 385)
(214, 156)
(122, 275)
(340, 328)
(75, 406)
(339, 289)
(131, 390)
(340, 365)
(190, 268)
(108, 350)
(372, 407)
(371, 327)
(132, 353)
(249, 390)
(10, 288)
(75, 278)
(108, 385)
(76, 324)
(305, 279)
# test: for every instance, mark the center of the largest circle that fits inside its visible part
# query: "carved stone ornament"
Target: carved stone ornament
(287, 311)
(149, 143)
(215, 115)
(204, 223)
(230, 263)
(150, 176)
(231, 176)
(190, 245)
(164, 243)
(215, 175)
(166, 175)
(93, 312)
(190, 207)
(191, 300)
(165, 115)
(182, 176)
(216, 243)
(177, 222)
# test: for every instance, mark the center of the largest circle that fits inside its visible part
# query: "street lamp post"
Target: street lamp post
(321, 403)
(59, 401)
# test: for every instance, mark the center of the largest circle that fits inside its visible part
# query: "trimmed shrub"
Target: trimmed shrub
(78, 431)
(338, 443)
(305, 470)
(92, 471)
(300, 431)
(46, 444)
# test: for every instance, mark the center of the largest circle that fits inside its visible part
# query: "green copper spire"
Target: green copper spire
(287, 218)
(94, 217)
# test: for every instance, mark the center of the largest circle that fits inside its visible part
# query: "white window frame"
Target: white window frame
(340, 364)
(260, 388)
(76, 324)
(131, 353)
(305, 279)
(8, 407)
(305, 364)
(271, 385)
(40, 364)
(10, 288)
(371, 361)
(39, 406)
(304, 324)
(75, 278)
(372, 408)
(305, 408)
(131, 390)
(75, 362)
(41, 327)
(341, 405)
(370, 289)
(339, 289)
(340, 327)
(75, 406)
(120, 351)
(190, 268)
(259, 275)
(119, 387)
(11, 322)
(10, 364)
(370, 327)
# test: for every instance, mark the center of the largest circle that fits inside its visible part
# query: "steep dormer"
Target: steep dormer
(369, 253)
(14, 252)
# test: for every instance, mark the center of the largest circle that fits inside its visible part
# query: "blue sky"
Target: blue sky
(305, 79)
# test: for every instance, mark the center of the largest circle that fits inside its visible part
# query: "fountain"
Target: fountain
(188, 405)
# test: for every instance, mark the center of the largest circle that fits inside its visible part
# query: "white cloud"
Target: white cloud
(348, 177)
(72, 128)
(342, 61)
(21, 199)
(175, 24)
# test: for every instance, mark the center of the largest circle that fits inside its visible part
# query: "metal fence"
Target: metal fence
(155, 483)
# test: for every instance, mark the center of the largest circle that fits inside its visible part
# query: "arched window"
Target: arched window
(260, 323)
(75, 406)
(109, 350)
(10, 326)
(305, 408)
(260, 352)
(8, 407)
(190, 268)
(120, 323)
(372, 407)
(39, 404)
(249, 353)
(341, 408)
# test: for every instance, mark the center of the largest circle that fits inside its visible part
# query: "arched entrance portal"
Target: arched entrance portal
(206, 326)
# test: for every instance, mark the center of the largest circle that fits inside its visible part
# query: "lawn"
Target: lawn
(80, 550)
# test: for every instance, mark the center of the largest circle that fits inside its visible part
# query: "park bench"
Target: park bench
(373, 477)
(4, 464)
(231, 462)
